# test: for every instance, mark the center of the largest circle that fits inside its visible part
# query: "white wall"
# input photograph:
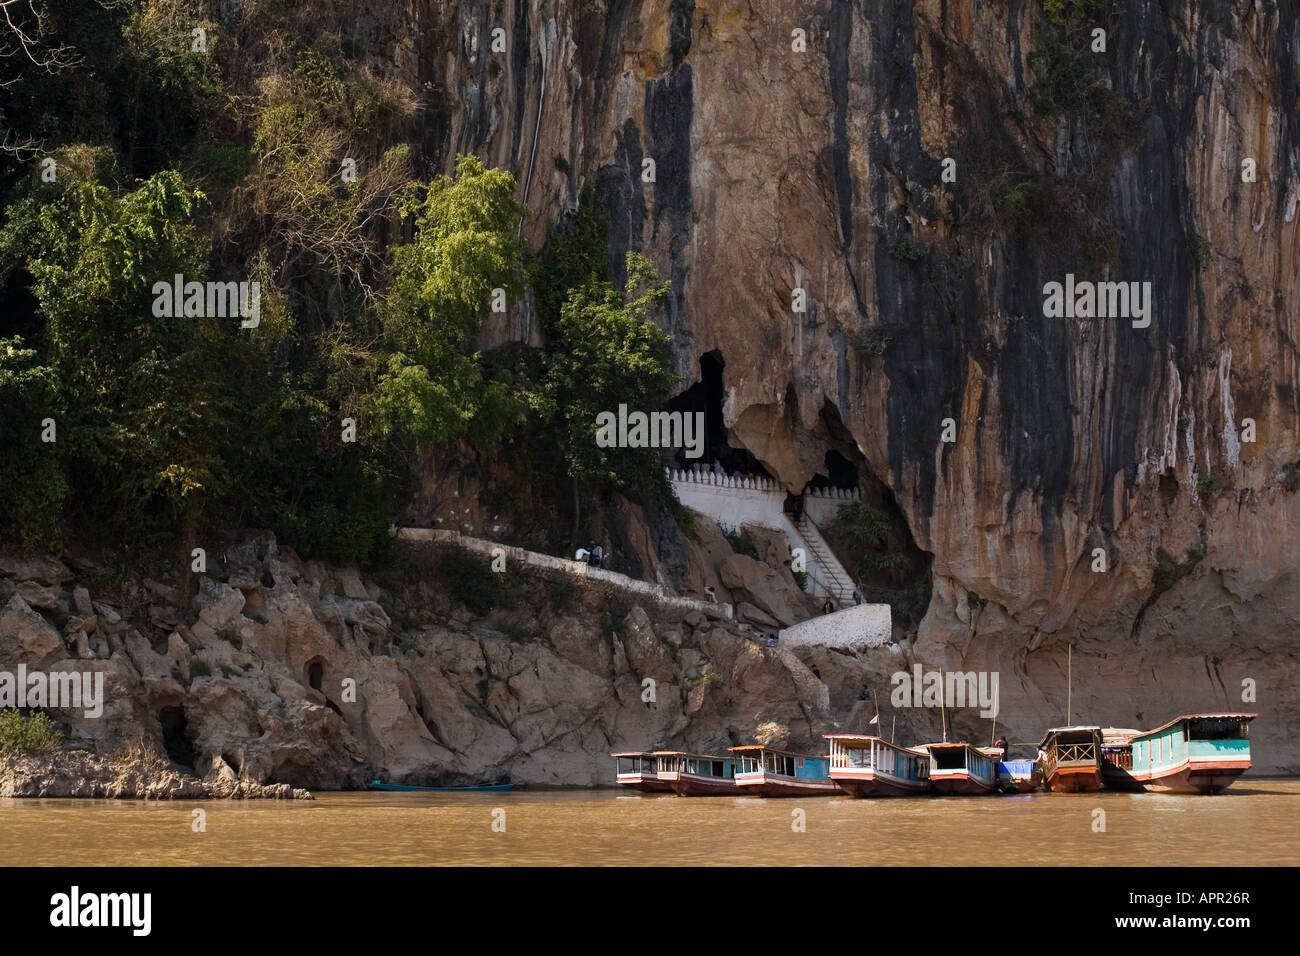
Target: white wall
(863, 625)
(643, 589)
(822, 506)
(730, 501)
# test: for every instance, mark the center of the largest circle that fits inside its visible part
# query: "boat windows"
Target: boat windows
(1218, 729)
(949, 758)
(632, 765)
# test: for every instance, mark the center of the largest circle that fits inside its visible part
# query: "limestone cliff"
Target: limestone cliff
(821, 169)
(776, 169)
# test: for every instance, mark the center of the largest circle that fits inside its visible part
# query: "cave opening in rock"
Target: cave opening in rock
(871, 536)
(176, 736)
(296, 771)
(840, 473)
(315, 674)
(707, 396)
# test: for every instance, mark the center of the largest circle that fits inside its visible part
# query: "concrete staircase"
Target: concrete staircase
(736, 501)
(835, 579)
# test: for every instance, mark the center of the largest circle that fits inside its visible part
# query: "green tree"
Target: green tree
(865, 532)
(466, 246)
(140, 430)
(605, 351)
(30, 469)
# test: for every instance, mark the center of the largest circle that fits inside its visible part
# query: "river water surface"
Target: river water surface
(1257, 822)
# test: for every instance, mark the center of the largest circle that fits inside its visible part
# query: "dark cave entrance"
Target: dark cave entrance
(707, 396)
(874, 541)
(840, 473)
(176, 736)
(314, 675)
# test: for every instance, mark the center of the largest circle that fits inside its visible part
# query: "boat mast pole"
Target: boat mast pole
(893, 721)
(943, 715)
(1069, 684)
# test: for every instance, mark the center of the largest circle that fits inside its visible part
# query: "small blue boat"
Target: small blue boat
(1019, 776)
(401, 788)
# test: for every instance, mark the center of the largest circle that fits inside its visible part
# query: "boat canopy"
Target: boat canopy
(1070, 735)
(864, 741)
(683, 753)
(1178, 720)
(756, 748)
(1117, 736)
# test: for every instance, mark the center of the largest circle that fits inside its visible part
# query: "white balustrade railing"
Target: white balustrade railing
(702, 475)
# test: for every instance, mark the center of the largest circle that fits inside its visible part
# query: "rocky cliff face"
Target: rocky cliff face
(282, 671)
(822, 170)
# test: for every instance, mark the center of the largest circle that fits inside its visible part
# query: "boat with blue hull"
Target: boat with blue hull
(776, 773)
(1194, 753)
(867, 766)
(1019, 776)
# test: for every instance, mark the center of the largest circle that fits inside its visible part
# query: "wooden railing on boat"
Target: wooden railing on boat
(1119, 757)
(1074, 753)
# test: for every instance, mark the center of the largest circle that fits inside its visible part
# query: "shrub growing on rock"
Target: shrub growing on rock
(31, 735)
(471, 581)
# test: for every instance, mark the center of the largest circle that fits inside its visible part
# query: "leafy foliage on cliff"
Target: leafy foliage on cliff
(273, 155)
(878, 557)
(27, 735)
(465, 248)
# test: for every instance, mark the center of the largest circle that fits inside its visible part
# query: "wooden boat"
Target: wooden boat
(1071, 759)
(1019, 776)
(401, 788)
(960, 768)
(697, 775)
(865, 766)
(639, 770)
(1117, 760)
(1194, 753)
(776, 773)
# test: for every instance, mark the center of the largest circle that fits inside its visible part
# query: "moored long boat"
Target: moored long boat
(1193, 753)
(776, 773)
(639, 770)
(697, 775)
(866, 766)
(1117, 760)
(1071, 759)
(960, 769)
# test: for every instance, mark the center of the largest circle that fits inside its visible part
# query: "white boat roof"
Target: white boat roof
(1061, 730)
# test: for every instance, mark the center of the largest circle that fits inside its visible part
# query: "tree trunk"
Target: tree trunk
(577, 505)
(189, 533)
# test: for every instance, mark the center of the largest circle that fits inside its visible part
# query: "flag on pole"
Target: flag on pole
(875, 719)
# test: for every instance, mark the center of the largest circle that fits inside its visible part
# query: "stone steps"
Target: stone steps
(838, 581)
